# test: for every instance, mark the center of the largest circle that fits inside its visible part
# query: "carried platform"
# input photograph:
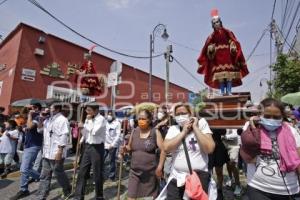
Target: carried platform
(228, 111)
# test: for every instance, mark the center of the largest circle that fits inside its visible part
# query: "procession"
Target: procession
(80, 120)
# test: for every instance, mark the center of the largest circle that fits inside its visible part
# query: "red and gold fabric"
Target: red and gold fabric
(90, 84)
(222, 58)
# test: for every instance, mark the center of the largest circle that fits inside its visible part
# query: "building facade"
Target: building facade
(34, 64)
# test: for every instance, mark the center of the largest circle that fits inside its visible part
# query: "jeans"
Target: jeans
(38, 162)
(111, 153)
(28, 158)
(93, 155)
(49, 166)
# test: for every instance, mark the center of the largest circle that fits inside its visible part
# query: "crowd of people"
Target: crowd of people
(166, 148)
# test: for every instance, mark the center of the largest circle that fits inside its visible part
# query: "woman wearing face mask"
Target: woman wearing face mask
(198, 138)
(272, 168)
(142, 145)
(162, 126)
(8, 143)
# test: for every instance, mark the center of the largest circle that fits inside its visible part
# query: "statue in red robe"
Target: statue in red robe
(86, 78)
(222, 61)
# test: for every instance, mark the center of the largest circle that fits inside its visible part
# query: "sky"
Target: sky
(125, 26)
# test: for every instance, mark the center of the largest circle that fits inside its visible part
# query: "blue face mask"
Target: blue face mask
(271, 124)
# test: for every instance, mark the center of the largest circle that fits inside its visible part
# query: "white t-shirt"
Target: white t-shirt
(265, 174)
(199, 159)
(8, 145)
(93, 131)
(113, 134)
(231, 138)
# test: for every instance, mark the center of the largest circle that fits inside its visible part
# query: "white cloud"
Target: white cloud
(119, 4)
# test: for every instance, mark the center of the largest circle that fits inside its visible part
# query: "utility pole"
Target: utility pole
(157, 29)
(278, 37)
(150, 69)
(169, 59)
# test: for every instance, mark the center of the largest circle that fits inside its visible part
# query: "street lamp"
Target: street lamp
(157, 30)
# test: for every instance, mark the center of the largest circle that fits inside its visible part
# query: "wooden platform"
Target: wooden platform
(227, 111)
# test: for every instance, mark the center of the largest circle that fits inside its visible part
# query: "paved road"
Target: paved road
(9, 187)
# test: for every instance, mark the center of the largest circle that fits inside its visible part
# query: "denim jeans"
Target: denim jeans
(111, 155)
(49, 166)
(38, 162)
(28, 159)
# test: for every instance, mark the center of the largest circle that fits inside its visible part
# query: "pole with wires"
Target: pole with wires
(169, 59)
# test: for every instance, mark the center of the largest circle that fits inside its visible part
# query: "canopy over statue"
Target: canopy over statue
(222, 61)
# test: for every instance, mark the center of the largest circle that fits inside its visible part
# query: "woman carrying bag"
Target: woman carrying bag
(271, 147)
(190, 142)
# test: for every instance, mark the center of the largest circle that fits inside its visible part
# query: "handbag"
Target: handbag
(196, 181)
(250, 147)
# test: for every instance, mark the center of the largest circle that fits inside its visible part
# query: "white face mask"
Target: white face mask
(109, 118)
(182, 119)
(160, 115)
(131, 123)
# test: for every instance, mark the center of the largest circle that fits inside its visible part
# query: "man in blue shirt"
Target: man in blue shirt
(32, 146)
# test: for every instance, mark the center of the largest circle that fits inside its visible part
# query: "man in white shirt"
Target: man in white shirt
(93, 135)
(56, 132)
(112, 143)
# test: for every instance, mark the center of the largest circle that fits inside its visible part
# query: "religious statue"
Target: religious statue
(222, 61)
(87, 79)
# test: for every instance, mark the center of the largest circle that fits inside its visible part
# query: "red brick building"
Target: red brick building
(34, 64)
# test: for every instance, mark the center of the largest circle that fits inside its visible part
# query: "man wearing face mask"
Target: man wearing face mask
(32, 146)
(56, 133)
(93, 135)
(112, 143)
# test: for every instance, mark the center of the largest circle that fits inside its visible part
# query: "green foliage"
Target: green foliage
(198, 101)
(287, 78)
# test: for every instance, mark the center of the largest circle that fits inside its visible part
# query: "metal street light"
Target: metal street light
(157, 30)
(269, 83)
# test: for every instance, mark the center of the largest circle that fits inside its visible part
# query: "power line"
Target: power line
(257, 43)
(287, 35)
(285, 39)
(290, 12)
(86, 38)
(184, 46)
(250, 81)
(274, 5)
(190, 73)
(284, 15)
(2, 2)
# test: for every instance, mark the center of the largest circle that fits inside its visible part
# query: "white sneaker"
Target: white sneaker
(237, 191)
(228, 183)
